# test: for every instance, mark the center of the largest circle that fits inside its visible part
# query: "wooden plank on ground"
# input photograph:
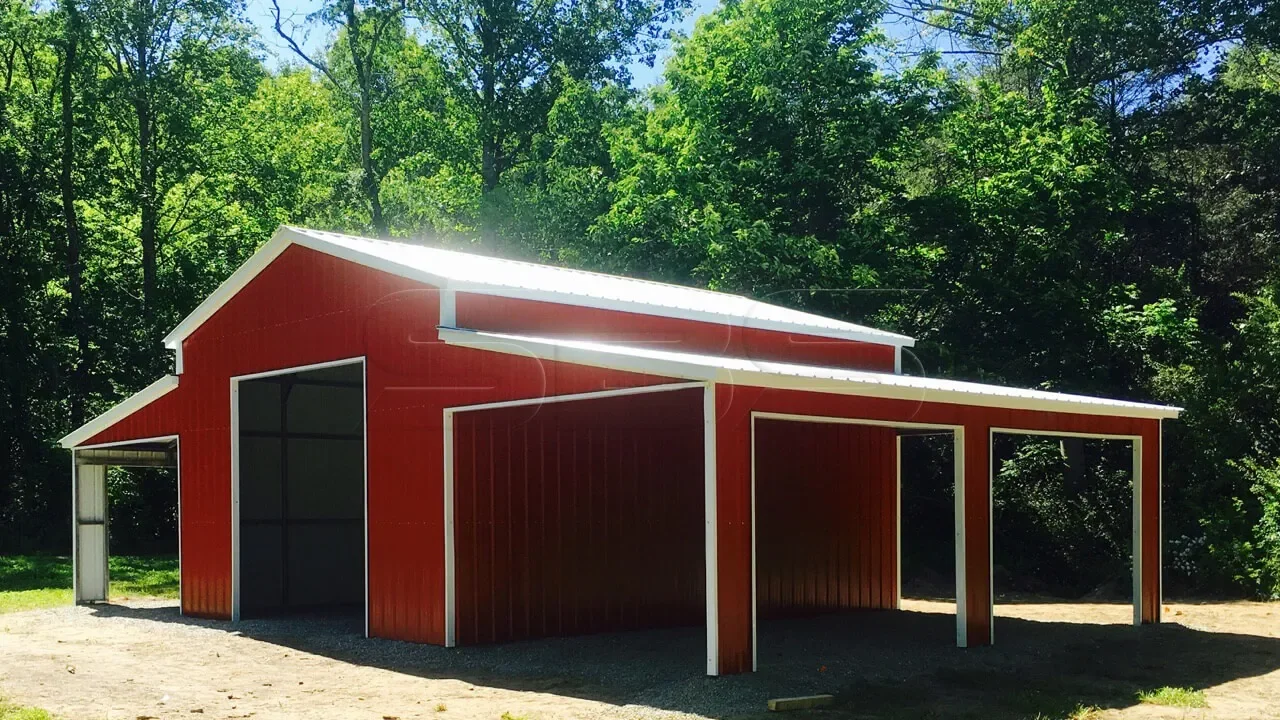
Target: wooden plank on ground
(803, 702)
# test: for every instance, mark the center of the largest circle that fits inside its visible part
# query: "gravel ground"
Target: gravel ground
(142, 660)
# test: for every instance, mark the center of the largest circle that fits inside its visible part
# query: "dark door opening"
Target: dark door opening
(302, 491)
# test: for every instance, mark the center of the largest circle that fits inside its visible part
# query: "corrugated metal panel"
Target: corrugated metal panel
(531, 317)
(579, 517)
(825, 517)
(790, 376)
(308, 307)
(544, 282)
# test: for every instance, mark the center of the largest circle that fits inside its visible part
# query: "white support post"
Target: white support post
(897, 523)
(1137, 531)
(962, 617)
(709, 501)
(450, 562)
(91, 576)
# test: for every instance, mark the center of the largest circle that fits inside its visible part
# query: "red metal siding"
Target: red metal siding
(826, 534)
(579, 517)
(734, 405)
(500, 314)
(977, 533)
(307, 307)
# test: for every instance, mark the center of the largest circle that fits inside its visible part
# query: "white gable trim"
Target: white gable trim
(120, 411)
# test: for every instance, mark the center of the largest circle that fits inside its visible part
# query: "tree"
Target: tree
(364, 30)
(70, 61)
(508, 60)
(157, 54)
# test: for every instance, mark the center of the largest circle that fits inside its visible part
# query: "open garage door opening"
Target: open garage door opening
(829, 499)
(575, 516)
(927, 536)
(1065, 527)
(136, 485)
(299, 491)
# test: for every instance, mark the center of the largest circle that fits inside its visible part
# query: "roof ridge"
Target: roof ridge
(530, 263)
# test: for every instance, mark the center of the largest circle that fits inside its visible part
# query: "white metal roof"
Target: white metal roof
(451, 270)
(120, 411)
(742, 371)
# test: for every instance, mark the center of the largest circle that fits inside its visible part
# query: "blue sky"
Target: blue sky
(261, 14)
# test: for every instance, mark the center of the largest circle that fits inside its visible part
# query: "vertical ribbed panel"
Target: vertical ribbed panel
(825, 518)
(579, 517)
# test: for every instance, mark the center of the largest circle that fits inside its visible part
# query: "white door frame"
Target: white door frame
(1136, 543)
(450, 559)
(235, 468)
(958, 435)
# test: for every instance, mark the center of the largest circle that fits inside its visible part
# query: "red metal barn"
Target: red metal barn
(478, 450)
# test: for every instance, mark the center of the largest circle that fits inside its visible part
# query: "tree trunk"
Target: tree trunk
(369, 180)
(147, 200)
(489, 145)
(75, 308)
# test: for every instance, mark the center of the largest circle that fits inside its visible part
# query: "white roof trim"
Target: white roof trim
(120, 411)
(741, 371)
(398, 259)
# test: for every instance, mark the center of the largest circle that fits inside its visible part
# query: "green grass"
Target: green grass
(1174, 697)
(13, 712)
(29, 582)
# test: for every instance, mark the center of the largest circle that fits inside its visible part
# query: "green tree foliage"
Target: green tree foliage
(1081, 194)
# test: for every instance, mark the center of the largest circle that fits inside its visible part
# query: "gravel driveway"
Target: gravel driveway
(142, 660)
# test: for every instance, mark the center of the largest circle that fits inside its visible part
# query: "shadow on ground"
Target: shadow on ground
(878, 664)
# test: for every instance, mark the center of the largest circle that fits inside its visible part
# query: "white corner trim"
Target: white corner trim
(962, 615)
(755, 582)
(120, 411)
(450, 561)
(1137, 531)
(711, 540)
(897, 522)
(448, 307)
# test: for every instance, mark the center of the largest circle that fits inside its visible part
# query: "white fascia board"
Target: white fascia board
(282, 238)
(783, 376)
(120, 411)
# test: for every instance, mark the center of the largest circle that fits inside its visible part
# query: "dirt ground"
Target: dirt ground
(142, 660)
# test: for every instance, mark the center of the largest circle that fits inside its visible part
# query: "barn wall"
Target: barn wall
(579, 517)
(308, 307)
(485, 312)
(734, 405)
(826, 533)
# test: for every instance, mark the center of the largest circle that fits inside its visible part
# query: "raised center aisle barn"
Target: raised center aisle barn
(471, 450)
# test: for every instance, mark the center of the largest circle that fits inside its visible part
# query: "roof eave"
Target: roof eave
(120, 411)
(889, 390)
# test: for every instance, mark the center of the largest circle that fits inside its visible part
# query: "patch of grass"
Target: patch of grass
(508, 716)
(29, 582)
(9, 711)
(1174, 697)
(441, 707)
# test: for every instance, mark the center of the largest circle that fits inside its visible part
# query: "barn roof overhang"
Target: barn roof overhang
(787, 376)
(120, 411)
